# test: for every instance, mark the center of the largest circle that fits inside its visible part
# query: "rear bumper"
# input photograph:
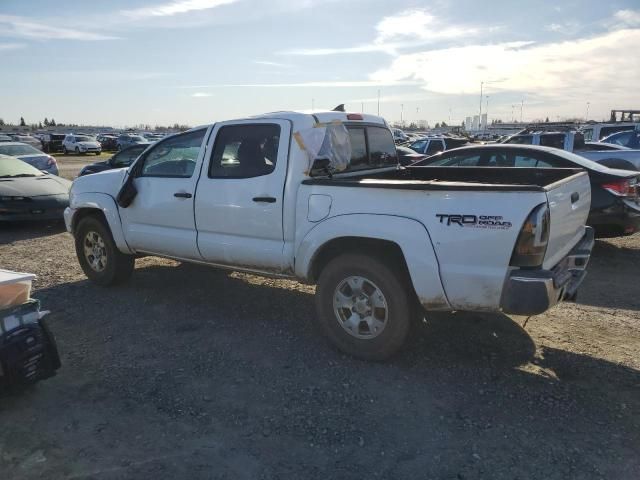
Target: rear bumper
(620, 218)
(531, 292)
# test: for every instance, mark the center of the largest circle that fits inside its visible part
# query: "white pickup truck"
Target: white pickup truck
(377, 239)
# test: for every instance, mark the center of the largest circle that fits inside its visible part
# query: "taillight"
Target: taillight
(533, 239)
(622, 188)
(51, 161)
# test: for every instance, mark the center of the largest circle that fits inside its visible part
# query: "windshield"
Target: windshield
(84, 139)
(16, 150)
(137, 139)
(11, 167)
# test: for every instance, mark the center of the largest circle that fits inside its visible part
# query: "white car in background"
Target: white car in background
(80, 144)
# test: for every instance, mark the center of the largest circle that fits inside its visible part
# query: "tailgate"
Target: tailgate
(569, 203)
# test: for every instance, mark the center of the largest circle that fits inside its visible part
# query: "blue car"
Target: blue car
(627, 138)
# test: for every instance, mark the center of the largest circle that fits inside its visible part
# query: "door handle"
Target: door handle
(264, 199)
(182, 195)
(575, 196)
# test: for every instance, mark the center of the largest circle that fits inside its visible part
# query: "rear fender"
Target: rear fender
(410, 235)
(107, 205)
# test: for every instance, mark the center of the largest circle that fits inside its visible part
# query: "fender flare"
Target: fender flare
(107, 205)
(410, 235)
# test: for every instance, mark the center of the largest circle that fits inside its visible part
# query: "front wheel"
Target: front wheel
(363, 306)
(99, 257)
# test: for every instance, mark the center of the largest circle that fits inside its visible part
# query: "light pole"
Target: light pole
(521, 107)
(486, 113)
(378, 102)
(586, 117)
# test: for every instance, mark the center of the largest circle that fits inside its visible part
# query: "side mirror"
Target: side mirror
(320, 167)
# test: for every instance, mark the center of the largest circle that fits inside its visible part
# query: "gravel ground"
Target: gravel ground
(190, 372)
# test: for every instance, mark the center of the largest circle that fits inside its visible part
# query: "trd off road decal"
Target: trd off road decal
(474, 221)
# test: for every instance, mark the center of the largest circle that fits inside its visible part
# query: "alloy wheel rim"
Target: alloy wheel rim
(360, 307)
(95, 251)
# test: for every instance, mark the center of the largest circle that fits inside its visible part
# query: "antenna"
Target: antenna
(339, 108)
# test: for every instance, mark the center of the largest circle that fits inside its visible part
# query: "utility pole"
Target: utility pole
(521, 107)
(362, 110)
(480, 114)
(402, 114)
(486, 113)
(586, 117)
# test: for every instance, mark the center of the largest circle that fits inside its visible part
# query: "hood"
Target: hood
(34, 186)
(89, 144)
(108, 182)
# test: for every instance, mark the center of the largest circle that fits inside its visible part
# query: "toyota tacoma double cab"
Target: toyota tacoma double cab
(321, 198)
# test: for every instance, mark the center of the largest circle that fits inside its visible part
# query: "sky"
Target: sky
(158, 62)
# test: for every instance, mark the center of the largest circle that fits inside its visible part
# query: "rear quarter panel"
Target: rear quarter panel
(471, 256)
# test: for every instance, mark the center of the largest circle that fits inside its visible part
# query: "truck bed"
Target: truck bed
(456, 178)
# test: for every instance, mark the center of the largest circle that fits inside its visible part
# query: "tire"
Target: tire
(77, 151)
(97, 154)
(114, 267)
(65, 151)
(359, 339)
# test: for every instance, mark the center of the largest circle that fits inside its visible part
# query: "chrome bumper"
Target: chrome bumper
(531, 292)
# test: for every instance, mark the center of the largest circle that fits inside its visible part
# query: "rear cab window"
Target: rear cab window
(372, 146)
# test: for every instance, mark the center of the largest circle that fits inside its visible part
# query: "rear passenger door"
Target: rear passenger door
(239, 199)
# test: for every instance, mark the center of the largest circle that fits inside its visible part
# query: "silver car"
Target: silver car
(30, 155)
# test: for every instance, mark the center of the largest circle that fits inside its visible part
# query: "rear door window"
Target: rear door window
(245, 151)
(435, 146)
(521, 140)
(555, 140)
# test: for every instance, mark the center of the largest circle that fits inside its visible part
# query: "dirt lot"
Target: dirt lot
(189, 372)
(70, 165)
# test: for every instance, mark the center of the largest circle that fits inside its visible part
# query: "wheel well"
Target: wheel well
(388, 251)
(88, 212)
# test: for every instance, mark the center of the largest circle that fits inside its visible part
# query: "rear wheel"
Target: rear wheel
(97, 153)
(99, 257)
(363, 306)
(65, 151)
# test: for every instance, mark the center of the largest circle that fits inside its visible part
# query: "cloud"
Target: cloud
(13, 26)
(329, 84)
(629, 18)
(175, 8)
(566, 74)
(271, 64)
(11, 46)
(407, 29)
(201, 94)
(566, 28)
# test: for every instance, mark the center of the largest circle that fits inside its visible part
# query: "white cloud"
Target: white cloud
(13, 26)
(175, 7)
(271, 64)
(629, 18)
(201, 94)
(330, 84)
(417, 24)
(11, 46)
(570, 73)
(566, 28)
(410, 28)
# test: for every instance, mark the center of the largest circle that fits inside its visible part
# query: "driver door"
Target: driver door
(160, 219)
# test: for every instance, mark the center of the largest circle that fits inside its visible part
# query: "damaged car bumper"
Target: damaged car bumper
(532, 292)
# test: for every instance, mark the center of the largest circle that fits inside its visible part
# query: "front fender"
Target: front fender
(104, 203)
(410, 235)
